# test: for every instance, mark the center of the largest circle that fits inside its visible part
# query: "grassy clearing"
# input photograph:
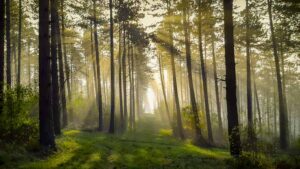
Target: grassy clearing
(86, 150)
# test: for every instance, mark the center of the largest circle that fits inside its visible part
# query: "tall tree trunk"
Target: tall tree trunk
(61, 76)
(67, 68)
(93, 61)
(29, 62)
(19, 45)
(251, 135)
(220, 125)
(124, 124)
(54, 71)
(130, 85)
(232, 115)
(112, 70)
(2, 25)
(284, 143)
(45, 107)
(133, 87)
(204, 78)
(175, 90)
(8, 45)
(198, 135)
(163, 87)
(99, 93)
(120, 77)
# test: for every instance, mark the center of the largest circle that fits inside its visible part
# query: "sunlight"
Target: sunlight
(151, 101)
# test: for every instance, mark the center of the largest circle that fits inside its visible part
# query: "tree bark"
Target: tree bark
(2, 25)
(8, 45)
(251, 134)
(175, 89)
(220, 125)
(112, 71)
(99, 93)
(198, 135)
(232, 115)
(54, 70)
(19, 44)
(124, 123)
(45, 107)
(204, 78)
(163, 87)
(283, 122)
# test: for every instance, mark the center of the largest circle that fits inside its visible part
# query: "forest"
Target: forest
(149, 84)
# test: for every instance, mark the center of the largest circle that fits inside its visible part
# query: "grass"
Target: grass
(89, 150)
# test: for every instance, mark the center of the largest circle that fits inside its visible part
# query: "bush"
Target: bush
(250, 161)
(19, 121)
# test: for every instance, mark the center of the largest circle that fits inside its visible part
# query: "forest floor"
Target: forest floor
(94, 150)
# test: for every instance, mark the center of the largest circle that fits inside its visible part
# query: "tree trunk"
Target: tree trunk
(124, 123)
(54, 71)
(2, 25)
(112, 71)
(67, 68)
(198, 135)
(19, 45)
(45, 107)
(283, 122)
(8, 45)
(120, 77)
(163, 87)
(204, 78)
(232, 115)
(220, 125)
(99, 93)
(251, 134)
(177, 104)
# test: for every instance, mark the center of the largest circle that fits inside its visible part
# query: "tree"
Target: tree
(99, 93)
(232, 115)
(2, 25)
(251, 135)
(54, 70)
(45, 107)
(198, 135)
(112, 71)
(203, 73)
(8, 45)
(19, 44)
(282, 109)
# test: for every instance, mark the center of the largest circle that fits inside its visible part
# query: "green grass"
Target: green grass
(88, 150)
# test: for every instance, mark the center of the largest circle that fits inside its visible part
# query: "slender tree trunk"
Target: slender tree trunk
(130, 85)
(204, 78)
(8, 45)
(251, 135)
(61, 76)
(120, 78)
(198, 135)
(258, 106)
(220, 125)
(133, 87)
(284, 143)
(112, 71)
(124, 127)
(45, 107)
(93, 61)
(54, 70)
(175, 89)
(232, 115)
(29, 62)
(163, 87)
(19, 44)
(99, 93)
(2, 26)
(67, 67)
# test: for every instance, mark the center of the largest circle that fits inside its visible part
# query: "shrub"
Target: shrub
(19, 120)
(250, 161)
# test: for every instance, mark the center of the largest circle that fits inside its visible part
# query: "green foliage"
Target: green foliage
(250, 161)
(87, 150)
(19, 121)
